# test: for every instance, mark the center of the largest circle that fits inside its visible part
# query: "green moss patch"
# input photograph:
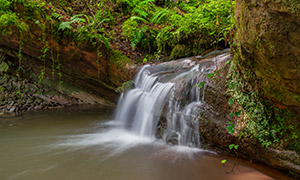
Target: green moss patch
(271, 124)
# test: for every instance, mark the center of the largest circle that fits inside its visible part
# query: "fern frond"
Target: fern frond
(102, 21)
(104, 40)
(136, 18)
(135, 41)
(159, 16)
(64, 25)
(145, 2)
(56, 15)
(141, 12)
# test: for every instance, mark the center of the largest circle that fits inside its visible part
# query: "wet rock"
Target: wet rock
(172, 138)
(12, 109)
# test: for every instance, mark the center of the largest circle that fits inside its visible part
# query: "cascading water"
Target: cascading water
(166, 94)
(141, 107)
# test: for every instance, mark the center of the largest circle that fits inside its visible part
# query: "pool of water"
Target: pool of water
(83, 143)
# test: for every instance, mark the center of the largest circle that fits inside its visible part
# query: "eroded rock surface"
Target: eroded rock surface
(268, 36)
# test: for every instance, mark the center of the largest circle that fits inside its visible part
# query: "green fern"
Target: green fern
(141, 13)
(18, 1)
(77, 18)
(136, 18)
(140, 38)
(102, 21)
(157, 19)
(4, 6)
(56, 15)
(104, 40)
(64, 25)
(135, 41)
(11, 20)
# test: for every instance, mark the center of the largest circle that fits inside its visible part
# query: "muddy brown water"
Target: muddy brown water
(83, 144)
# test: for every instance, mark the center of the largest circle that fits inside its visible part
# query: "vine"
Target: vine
(58, 67)
(44, 51)
(18, 72)
(52, 54)
(99, 54)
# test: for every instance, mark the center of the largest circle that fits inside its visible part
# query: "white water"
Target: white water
(140, 109)
(168, 91)
(164, 103)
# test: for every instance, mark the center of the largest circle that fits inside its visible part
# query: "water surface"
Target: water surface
(79, 144)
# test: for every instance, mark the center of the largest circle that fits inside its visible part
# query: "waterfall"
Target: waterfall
(166, 95)
(141, 107)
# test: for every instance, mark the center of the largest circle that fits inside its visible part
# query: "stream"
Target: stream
(83, 144)
(152, 135)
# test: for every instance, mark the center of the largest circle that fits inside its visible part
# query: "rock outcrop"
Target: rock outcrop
(67, 74)
(264, 80)
(268, 43)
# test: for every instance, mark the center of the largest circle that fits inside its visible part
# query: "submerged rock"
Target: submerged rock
(172, 138)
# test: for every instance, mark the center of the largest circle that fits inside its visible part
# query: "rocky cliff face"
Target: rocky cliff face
(67, 74)
(268, 37)
(267, 80)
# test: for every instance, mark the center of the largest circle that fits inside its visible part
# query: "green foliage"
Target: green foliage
(233, 146)
(75, 19)
(223, 161)
(160, 16)
(4, 6)
(3, 67)
(210, 75)
(87, 29)
(9, 20)
(142, 36)
(230, 128)
(269, 125)
(200, 85)
(19, 1)
(137, 7)
(197, 28)
(130, 29)
(191, 24)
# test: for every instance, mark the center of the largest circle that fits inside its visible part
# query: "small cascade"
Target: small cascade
(141, 107)
(166, 94)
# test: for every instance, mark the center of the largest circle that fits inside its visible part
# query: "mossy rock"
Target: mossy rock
(3, 67)
(268, 36)
(120, 68)
(180, 50)
(119, 60)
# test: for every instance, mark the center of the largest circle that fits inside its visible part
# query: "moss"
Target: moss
(119, 68)
(180, 50)
(119, 60)
(126, 86)
(3, 67)
(293, 6)
(270, 125)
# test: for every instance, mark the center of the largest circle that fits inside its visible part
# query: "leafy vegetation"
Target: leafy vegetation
(168, 28)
